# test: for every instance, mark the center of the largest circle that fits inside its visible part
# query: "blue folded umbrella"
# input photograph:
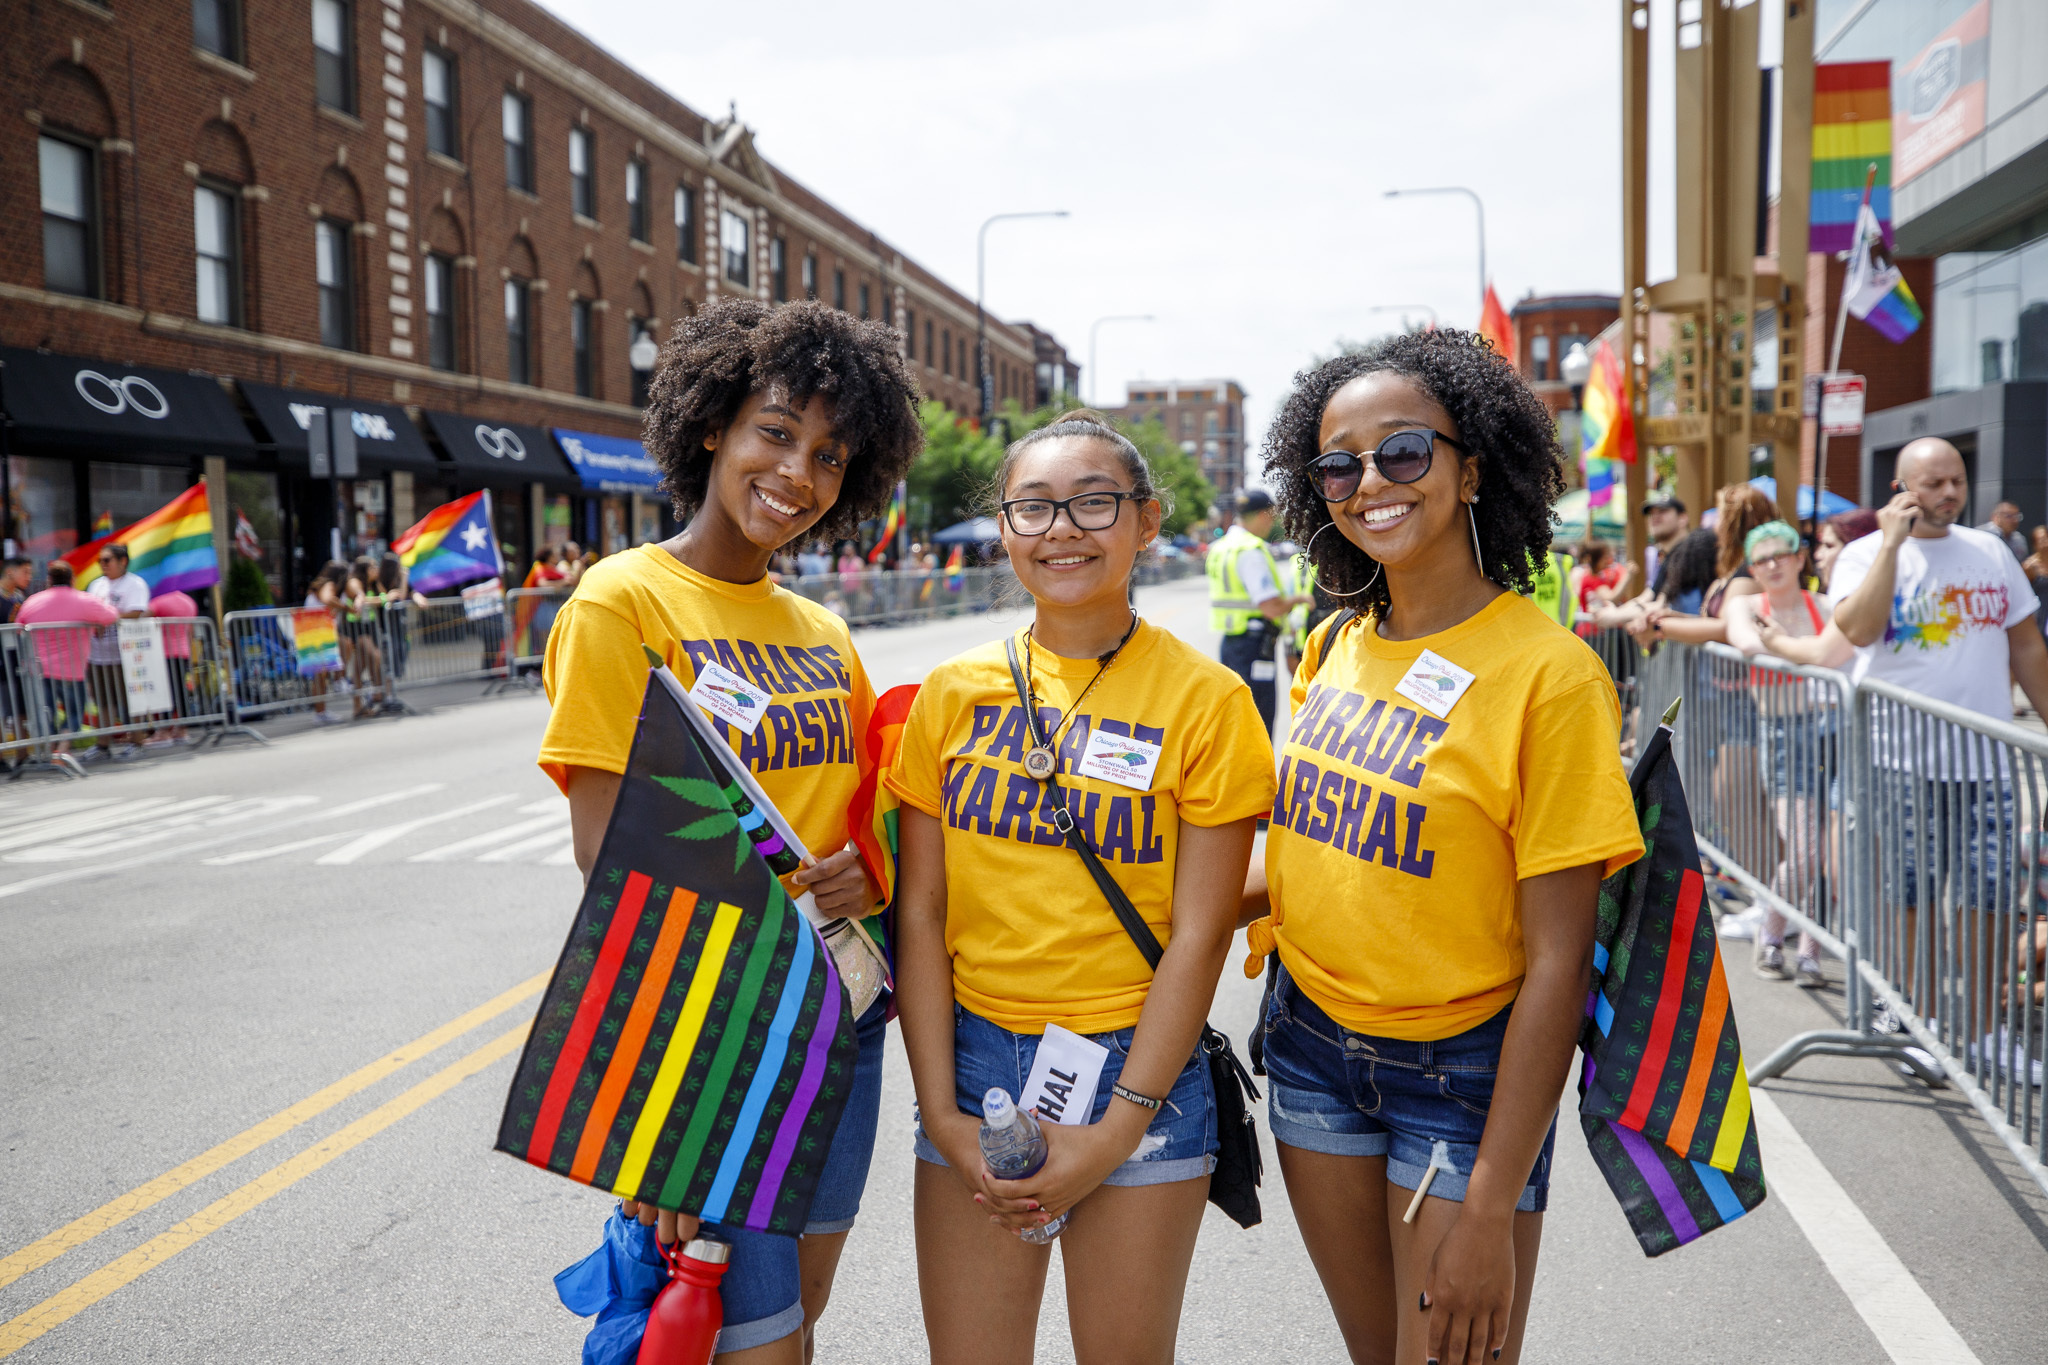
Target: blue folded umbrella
(616, 1284)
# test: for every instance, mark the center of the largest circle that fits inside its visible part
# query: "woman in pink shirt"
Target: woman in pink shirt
(61, 652)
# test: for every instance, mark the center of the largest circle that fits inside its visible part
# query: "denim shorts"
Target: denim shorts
(762, 1291)
(1180, 1144)
(1800, 757)
(1961, 833)
(1352, 1094)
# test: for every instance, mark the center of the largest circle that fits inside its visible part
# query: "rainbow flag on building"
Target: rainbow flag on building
(450, 545)
(891, 526)
(171, 549)
(694, 1049)
(1876, 291)
(1852, 130)
(1663, 1095)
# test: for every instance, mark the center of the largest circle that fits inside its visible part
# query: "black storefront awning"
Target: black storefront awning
(385, 437)
(70, 404)
(501, 454)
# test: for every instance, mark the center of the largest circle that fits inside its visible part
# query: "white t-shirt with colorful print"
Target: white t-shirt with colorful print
(1953, 599)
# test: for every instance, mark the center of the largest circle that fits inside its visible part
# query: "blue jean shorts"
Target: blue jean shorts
(1180, 1144)
(1960, 833)
(1352, 1094)
(762, 1291)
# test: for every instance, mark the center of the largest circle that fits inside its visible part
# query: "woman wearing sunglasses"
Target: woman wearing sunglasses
(1158, 755)
(1451, 794)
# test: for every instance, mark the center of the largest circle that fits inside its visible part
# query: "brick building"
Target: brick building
(1546, 328)
(452, 217)
(1206, 416)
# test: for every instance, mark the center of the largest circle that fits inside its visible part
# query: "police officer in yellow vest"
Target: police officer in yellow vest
(1552, 589)
(1247, 603)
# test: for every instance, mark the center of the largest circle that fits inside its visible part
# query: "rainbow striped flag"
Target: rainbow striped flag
(694, 1049)
(1663, 1094)
(450, 545)
(1877, 291)
(1852, 130)
(871, 816)
(956, 574)
(314, 641)
(171, 549)
(1607, 425)
(892, 525)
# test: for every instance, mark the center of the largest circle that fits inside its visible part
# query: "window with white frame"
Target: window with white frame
(636, 200)
(733, 237)
(217, 28)
(71, 237)
(516, 119)
(216, 250)
(519, 330)
(686, 224)
(334, 57)
(437, 90)
(778, 268)
(334, 273)
(582, 189)
(438, 282)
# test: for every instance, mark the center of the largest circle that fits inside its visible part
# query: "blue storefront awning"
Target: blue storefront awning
(610, 464)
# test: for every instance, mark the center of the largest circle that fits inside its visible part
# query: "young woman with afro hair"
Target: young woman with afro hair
(1451, 794)
(771, 426)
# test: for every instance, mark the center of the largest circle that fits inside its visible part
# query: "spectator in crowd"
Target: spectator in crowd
(1838, 531)
(177, 659)
(128, 595)
(571, 563)
(324, 594)
(1798, 737)
(2036, 569)
(2005, 526)
(62, 655)
(814, 561)
(1598, 576)
(1741, 509)
(1664, 517)
(1945, 611)
(15, 577)
(362, 616)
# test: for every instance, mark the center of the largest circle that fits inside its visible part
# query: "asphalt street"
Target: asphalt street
(262, 1005)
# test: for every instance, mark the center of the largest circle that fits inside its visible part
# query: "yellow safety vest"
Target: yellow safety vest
(1231, 609)
(1552, 591)
(1300, 582)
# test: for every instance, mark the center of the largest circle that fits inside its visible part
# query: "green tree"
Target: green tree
(955, 467)
(1175, 472)
(245, 587)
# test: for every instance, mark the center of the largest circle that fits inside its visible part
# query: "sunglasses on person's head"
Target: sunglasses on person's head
(1403, 457)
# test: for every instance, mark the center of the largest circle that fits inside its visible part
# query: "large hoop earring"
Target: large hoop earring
(1303, 558)
(1478, 556)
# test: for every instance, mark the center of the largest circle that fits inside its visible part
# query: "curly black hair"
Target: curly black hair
(1500, 424)
(736, 347)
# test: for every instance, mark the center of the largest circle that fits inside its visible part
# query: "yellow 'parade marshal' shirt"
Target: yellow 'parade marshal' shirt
(804, 753)
(1400, 837)
(1031, 937)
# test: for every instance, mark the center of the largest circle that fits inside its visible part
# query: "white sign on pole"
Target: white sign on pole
(480, 600)
(143, 669)
(1841, 405)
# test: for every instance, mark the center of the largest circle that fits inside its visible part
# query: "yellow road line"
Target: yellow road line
(123, 1207)
(66, 1304)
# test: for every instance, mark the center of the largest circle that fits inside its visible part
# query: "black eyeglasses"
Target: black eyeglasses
(1088, 511)
(1403, 457)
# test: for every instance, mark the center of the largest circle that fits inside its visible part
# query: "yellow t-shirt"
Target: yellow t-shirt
(1031, 937)
(1400, 838)
(805, 752)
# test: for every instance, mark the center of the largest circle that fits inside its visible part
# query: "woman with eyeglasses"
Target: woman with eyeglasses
(1799, 727)
(1008, 951)
(1451, 794)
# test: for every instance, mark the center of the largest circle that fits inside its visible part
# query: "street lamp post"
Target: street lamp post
(1094, 386)
(982, 377)
(1476, 204)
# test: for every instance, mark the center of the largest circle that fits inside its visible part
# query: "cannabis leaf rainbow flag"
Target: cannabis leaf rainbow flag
(1663, 1095)
(694, 1049)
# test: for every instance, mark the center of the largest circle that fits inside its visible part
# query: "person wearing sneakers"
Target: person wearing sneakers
(1799, 731)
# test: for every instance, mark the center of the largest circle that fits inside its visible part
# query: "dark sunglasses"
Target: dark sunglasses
(1403, 457)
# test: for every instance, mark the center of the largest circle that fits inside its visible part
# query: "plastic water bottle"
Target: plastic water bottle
(1013, 1145)
(682, 1327)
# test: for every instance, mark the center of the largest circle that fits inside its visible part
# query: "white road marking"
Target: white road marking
(448, 852)
(157, 858)
(250, 855)
(97, 817)
(175, 822)
(377, 838)
(511, 851)
(1899, 1313)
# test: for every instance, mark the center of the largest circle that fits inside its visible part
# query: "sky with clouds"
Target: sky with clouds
(1224, 162)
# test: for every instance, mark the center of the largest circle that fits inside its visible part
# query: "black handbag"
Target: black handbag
(1234, 1184)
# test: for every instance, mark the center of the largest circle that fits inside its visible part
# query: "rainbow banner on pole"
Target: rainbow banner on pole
(891, 526)
(314, 641)
(1663, 1095)
(1852, 130)
(450, 545)
(171, 549)
(694, 1049)
(956, 573)
(1877, 292)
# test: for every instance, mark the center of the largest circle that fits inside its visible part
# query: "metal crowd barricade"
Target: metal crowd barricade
(885, 596)
(531, 613)
(76, 694)
(436, 640)
(19, 739)
(1902, 834)
(268, 676)
(1623, 657)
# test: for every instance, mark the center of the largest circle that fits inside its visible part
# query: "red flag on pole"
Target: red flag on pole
(1494, 326)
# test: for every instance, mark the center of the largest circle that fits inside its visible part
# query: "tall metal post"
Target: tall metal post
(983, 379)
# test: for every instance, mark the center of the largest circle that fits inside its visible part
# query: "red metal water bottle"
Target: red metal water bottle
(682, 1328)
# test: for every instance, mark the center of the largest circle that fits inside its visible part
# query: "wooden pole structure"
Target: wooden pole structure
(1634, 341)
